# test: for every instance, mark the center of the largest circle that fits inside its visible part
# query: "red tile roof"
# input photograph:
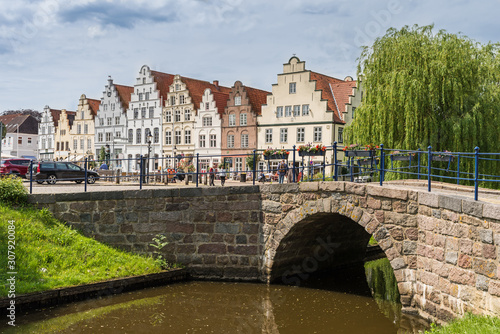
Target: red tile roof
(197, 87)
(94, 106)
(220, 101)
(125, 93)
(20, 123)
(163, 82)
(341, 92)
(324, 83)
(6, 119)
(257, 98)
(56, 114)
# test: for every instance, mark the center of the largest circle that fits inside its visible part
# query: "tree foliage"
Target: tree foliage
(423, 88)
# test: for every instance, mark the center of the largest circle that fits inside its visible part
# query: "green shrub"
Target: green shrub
(12, 190)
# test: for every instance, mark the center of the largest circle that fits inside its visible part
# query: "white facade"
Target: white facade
(207, 131)
(46, 130)
(144, 116)
(111, 124)
(20, 145)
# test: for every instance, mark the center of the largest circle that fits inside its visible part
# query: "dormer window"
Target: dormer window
(237, 100)
(177, 87)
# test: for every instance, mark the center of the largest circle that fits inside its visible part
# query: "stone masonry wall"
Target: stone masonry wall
(213, 231)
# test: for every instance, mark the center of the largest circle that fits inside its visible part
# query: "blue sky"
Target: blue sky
(52, 51)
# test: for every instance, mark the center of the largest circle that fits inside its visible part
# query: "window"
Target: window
(187, 136)
(130, 136)
(177, 115)
(143, 112)
(296, 111)
(79, 129)
(301, 135)
(181, 99)
(113, 106)
(82, 115)
(230, 140)
(283, 135)
(238, 163)
(353, 109)
(341, 135)
(202, 140)
(20, 141)
(288, 111)
(177, 87)
(243, 119)
(305, 110)
(86, 128)
(43, 144)
(138, 134)
(136, 113)
(156, 135)
(109, 121)
(237, 100)
(49, 143)
(232, 120)
(207, 121)
(140, 97)
(151, 112)
(147, 96)
(244, 140)
(100, 137)
(168, 137)
(108, 136)
(29, 140)
(75, 144)
(168, 116)
(89, 144)
(172, 100)
(317, 133)
(213, 140)
(118, 134)
(101, 121)
(279, 111)
(207, 106)
(292, 88)
(187, 115)
(117, 120)
(178, 137)
(82, 144)
(269, 135)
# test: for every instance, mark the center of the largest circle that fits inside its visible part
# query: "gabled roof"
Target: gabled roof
(20, 123)
(94, 106)
(5, 119)
(197, 88)
(163, 82)
(56, 114)
(220, 101)
(257, 98)
(341, 92)
(125, 93)
(325, 83)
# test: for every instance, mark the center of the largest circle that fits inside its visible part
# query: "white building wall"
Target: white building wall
(208, 108)
(46, 130)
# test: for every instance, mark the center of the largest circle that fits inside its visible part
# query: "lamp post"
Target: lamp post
(149, 138)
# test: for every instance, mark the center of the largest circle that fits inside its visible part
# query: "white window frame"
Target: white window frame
(244, 140)
(292, 88)
(230, 140)
(301, 135)
(318, 134)
(269, 136)
(243, 119)
(232, 119)
(283, 135)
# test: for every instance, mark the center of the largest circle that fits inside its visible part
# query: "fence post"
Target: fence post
(141, 172)
(197, 168)
(254, 165)
(85, 166)
(458, 169)
(293, 165)
(382, 164)
(324, 165)
(418, 162)
(335, 173)
(429, 157)
(476, 172)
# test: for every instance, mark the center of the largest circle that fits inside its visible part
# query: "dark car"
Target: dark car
(14, 166)
(51, 172)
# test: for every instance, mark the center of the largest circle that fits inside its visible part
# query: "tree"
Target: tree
(3, 130)
(423, 89)
(31, 112)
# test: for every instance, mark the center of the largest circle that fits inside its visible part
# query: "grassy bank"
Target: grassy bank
(469, 324)
(50, 255)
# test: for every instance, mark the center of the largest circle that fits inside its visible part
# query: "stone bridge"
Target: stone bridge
(444, 249)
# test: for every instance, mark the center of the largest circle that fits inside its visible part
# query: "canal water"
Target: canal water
(335, 302)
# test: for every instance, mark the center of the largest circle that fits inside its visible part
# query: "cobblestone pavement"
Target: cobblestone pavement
(486, 195)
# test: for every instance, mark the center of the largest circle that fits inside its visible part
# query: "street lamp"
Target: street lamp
(149, 138)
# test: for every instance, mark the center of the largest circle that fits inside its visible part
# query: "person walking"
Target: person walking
(222, 175)
(282, 170)
(211, 176)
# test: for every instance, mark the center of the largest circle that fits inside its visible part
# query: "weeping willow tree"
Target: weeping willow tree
(423, 88)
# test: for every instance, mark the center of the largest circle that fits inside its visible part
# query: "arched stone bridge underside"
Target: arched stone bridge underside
(444, 249)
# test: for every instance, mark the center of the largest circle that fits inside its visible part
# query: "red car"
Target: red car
(15, 166)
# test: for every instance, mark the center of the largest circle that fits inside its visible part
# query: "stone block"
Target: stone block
(462, 276)
(187, 228)
(400, 219)
(465, 246)
(212, 249)
(451, 257)
(428, 199)
(409, 247)
(483, 267)
(486, 236)
(387, 191)
(491, 211)
(426, 223)
(482, 282)
(450, 203)
(494, 288)
(331, 186)
(489, 251)
(472, 208)
(354, 188)
(308, 186)
(398, 263)
(399, 206)
(228, 228)
(412, 234)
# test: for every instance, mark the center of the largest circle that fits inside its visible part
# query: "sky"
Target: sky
(53, 51)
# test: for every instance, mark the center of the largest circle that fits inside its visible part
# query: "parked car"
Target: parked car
(51, 172)
(15, 166)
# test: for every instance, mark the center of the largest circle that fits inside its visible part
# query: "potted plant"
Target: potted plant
(355, 150)
(275, 154)
(402, 156)
(442, 156)
(312, 150)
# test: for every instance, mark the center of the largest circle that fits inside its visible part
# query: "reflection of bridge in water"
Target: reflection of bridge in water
(442, 247)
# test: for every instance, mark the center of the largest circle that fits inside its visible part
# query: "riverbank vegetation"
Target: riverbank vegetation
(469, 324)
(46, 254)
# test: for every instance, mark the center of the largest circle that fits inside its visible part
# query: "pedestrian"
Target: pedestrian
(282, 170)
(222, 174)
(104, 166)
(211, 176)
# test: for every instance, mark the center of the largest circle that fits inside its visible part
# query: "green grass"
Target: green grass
(469, 324)
(50, 255)
(372, 241)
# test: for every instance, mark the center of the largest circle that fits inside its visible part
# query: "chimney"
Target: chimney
(216, 84)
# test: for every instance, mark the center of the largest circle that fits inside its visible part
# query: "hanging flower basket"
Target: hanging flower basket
(275, 153)
(311, 150)
(403, 157)
(356, 153)
(276, 157)
(306, 154)
(442, 156)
